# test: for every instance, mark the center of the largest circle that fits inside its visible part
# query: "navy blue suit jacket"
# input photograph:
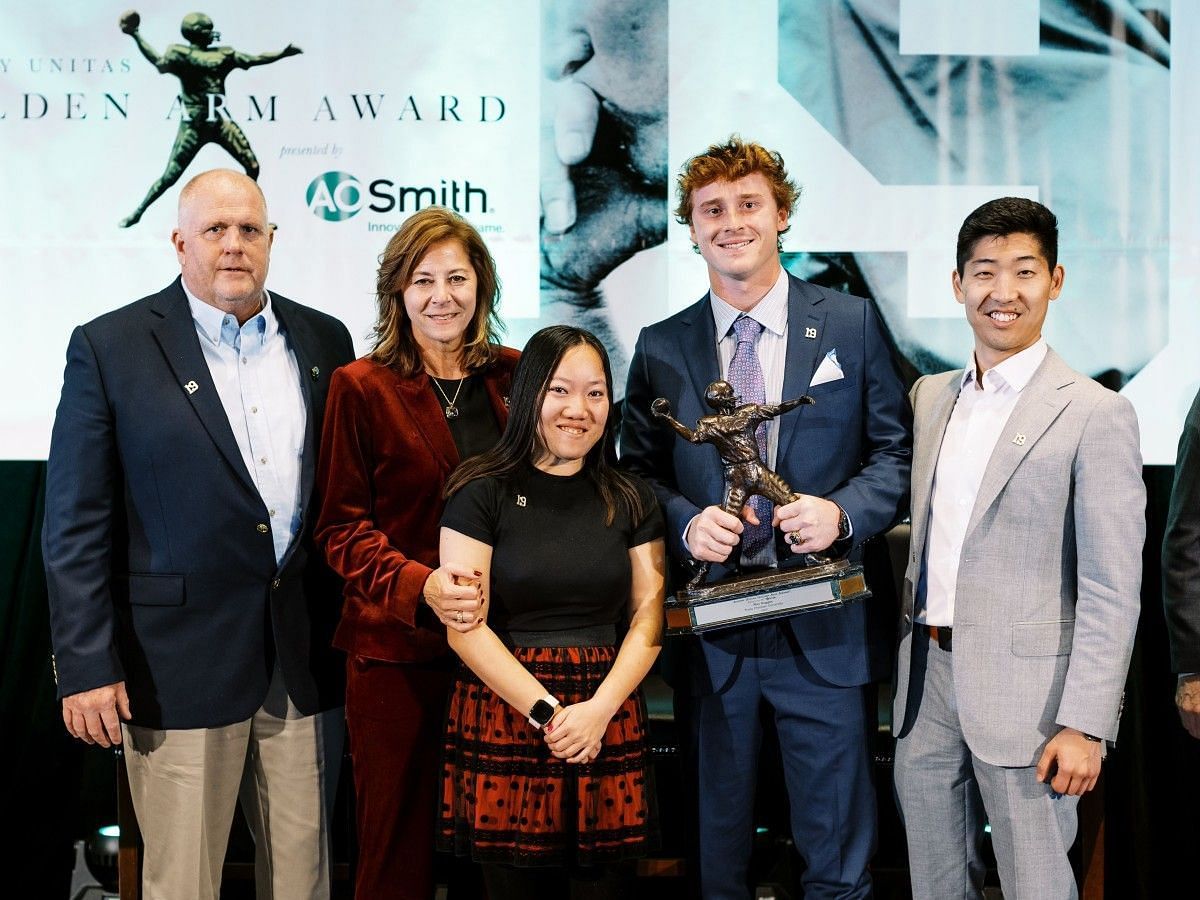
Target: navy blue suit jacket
(854, 446)
(159, 558)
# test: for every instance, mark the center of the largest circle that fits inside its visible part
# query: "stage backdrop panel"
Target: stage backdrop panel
(557, 127)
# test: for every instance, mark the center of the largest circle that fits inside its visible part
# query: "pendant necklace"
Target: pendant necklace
(451, 410)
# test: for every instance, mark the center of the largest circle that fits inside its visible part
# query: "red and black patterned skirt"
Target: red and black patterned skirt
(507, 799)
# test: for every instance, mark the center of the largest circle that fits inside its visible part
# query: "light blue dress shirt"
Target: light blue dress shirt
(258, 381)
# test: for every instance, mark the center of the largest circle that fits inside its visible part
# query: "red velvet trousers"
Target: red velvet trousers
(395, 713)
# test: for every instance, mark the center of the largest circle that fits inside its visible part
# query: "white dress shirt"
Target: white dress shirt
(980, 413)
(258, 381)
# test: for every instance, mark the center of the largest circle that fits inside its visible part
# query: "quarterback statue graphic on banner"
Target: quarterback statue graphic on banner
(201, 69)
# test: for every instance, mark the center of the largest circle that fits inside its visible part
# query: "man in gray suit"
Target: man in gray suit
(1022, 590)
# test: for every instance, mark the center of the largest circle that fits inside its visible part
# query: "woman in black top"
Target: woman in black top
(547, 774)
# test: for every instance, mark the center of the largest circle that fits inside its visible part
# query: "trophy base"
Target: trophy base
(762, 596)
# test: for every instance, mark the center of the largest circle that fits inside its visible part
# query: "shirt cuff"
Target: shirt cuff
(687, 530)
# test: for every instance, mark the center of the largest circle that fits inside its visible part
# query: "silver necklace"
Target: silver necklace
(450, 410)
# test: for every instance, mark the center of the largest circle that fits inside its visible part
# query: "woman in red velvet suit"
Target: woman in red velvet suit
(433, 391)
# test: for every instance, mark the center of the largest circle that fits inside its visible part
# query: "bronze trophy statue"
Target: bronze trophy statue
(732, 432)
(751, 597)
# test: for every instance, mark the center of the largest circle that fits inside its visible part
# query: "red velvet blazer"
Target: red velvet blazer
(385, 456)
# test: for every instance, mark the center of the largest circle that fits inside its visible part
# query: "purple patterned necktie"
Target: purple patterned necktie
(746, 377)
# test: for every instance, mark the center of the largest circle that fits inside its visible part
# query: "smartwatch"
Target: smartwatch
(542, 712)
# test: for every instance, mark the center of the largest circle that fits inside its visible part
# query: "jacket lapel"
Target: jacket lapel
(175, 332)
(499, 385)
(927, 447)
(804, 312)
(304, 348)
(698, 345)
(426, 413)
(1037, 408)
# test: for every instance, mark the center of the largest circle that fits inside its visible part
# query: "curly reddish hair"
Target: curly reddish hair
(730, 161)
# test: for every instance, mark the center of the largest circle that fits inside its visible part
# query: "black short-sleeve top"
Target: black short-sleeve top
(555, 564)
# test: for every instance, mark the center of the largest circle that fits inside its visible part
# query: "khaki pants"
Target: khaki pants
(185, 783)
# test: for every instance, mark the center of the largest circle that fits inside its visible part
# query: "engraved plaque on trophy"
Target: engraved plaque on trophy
(768, 594)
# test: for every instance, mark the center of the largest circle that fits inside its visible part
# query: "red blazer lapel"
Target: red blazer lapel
(424, 407)
(498, 380)
(425, 412)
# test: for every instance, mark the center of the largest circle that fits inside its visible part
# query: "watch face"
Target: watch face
(542, 712)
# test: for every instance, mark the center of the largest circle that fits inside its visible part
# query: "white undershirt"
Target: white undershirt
(975, 426)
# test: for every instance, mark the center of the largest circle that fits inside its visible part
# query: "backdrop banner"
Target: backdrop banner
(557, 127)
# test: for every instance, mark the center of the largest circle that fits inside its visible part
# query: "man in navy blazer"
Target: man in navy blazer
(184, 599)
(848, 454)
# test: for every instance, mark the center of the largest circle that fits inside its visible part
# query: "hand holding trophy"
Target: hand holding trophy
(754, 597)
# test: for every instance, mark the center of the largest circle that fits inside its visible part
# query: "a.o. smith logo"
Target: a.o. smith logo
(334, 196)
(337, 196)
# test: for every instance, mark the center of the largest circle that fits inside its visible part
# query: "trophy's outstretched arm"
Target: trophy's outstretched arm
(662, 410)
(789, 405)
(266, 58)
(772, 410)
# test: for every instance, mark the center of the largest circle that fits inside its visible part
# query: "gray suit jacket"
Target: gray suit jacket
(1048, 589)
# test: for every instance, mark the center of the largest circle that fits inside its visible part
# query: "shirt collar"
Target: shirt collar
(1016, 371)
(211, 322)
(770, 311)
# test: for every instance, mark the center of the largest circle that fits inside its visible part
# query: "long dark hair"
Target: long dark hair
(521, 443)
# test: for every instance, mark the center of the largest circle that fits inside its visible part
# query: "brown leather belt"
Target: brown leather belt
(942, 635)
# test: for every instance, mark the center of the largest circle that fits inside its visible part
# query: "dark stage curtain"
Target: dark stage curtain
(42, 799)
(1153, 776)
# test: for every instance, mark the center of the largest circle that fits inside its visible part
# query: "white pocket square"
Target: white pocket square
(828, 370)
